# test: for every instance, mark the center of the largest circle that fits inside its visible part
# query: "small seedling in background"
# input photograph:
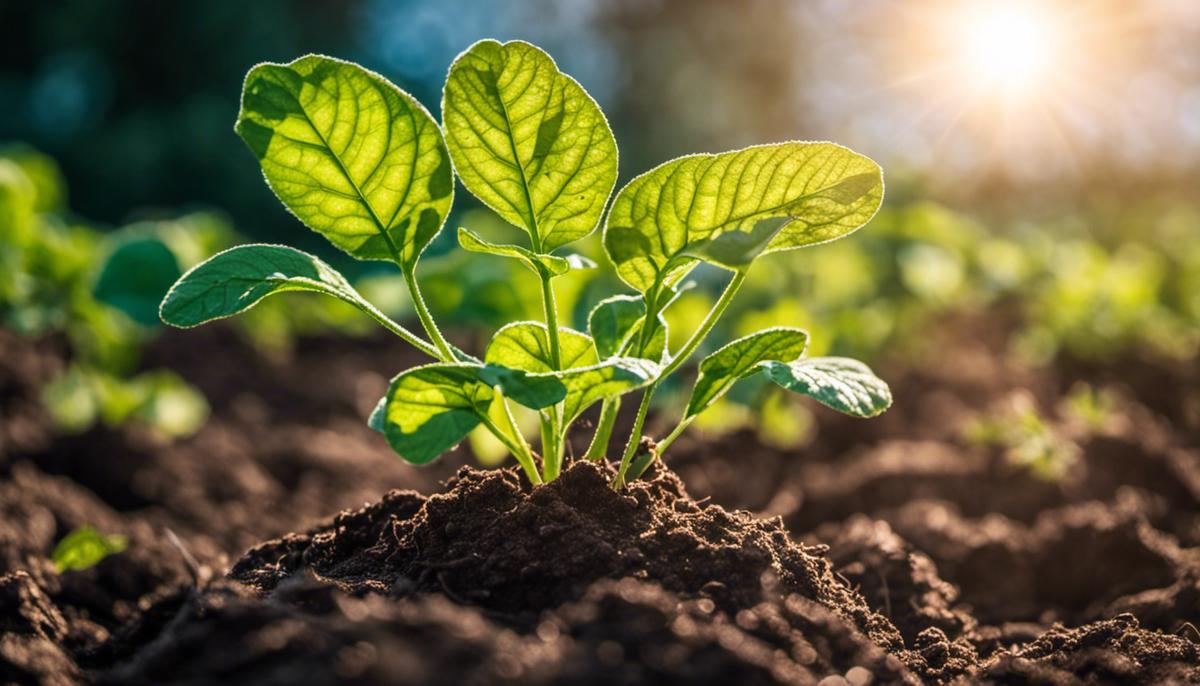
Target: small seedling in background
(364, 164)
(85, 547)
(1027, 439)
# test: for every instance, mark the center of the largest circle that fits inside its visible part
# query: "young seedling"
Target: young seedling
(364, 164)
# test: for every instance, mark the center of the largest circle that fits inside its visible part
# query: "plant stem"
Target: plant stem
(685, 352)
(635, 436)
(675, 433)
(431, 329)
(604, 428)
(707, 325)
(521, 452)
(551, 308)
(408, 336)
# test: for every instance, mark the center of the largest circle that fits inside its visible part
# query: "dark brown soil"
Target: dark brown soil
(888, 551)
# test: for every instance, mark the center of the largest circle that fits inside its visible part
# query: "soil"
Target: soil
(284, 543)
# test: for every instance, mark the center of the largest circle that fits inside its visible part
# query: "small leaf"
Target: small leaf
(351, 155)
(529, 141)
(844, 384)
(378, 418)
(614, 321)
(552, 265)
(84, 548)
(666, 219)
(431, 409)
(610, 378)
(531, 390)
(524, 346)
(235, 280)
(136, 276)
(741, 358)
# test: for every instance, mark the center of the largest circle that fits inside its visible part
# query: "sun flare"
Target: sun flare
(1006, 45)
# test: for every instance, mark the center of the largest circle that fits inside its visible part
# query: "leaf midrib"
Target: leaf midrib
(346, 173)
(534, 234)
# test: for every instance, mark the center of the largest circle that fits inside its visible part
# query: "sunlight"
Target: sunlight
(1007, 45)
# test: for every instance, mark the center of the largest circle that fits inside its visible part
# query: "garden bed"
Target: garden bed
(889, 551)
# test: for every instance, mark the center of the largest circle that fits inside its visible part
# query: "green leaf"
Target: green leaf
(844, 384)
(235, 280)
(351, 155)
(552, 265)
(136, 276)
(741, 358)
(614, 321)
(716, 207)
(430, 409)
(612, 377)
(529, 141)
(531, 390)
(524, 346)
(84, 548)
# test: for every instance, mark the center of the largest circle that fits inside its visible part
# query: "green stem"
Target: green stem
(685, 352)
(431, 329)
(387, 323)
(707, 325)
(635, 436)
(521, 452)
(604, 428)
(551, 308)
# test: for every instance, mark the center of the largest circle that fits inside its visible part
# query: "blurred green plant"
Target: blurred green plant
(48, 286)
(1028, 440)
(85, 547)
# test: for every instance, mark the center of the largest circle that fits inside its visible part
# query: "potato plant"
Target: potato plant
(364, 164)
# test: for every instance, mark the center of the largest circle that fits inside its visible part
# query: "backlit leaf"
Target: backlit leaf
(84, 548)
(616, 320)
(350, 154)
(715, 207)
(431, 409)
(741, 358)
(529, 141)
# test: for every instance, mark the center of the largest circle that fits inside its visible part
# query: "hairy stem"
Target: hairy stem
(635, 436)
(707, 325)
(408, 336)
(604, 428)
(684, 353)
(521, 452)
(431, 329)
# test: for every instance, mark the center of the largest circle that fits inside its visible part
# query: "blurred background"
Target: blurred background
(1042, 158)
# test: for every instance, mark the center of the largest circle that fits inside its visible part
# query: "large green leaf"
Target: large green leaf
(529, 141)
(616, 320)
(235, 280)
(350, 154)
(741, 358)
(551, 265)
(731, 207)
(844, 384)
(430, 409)
(136, 276)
